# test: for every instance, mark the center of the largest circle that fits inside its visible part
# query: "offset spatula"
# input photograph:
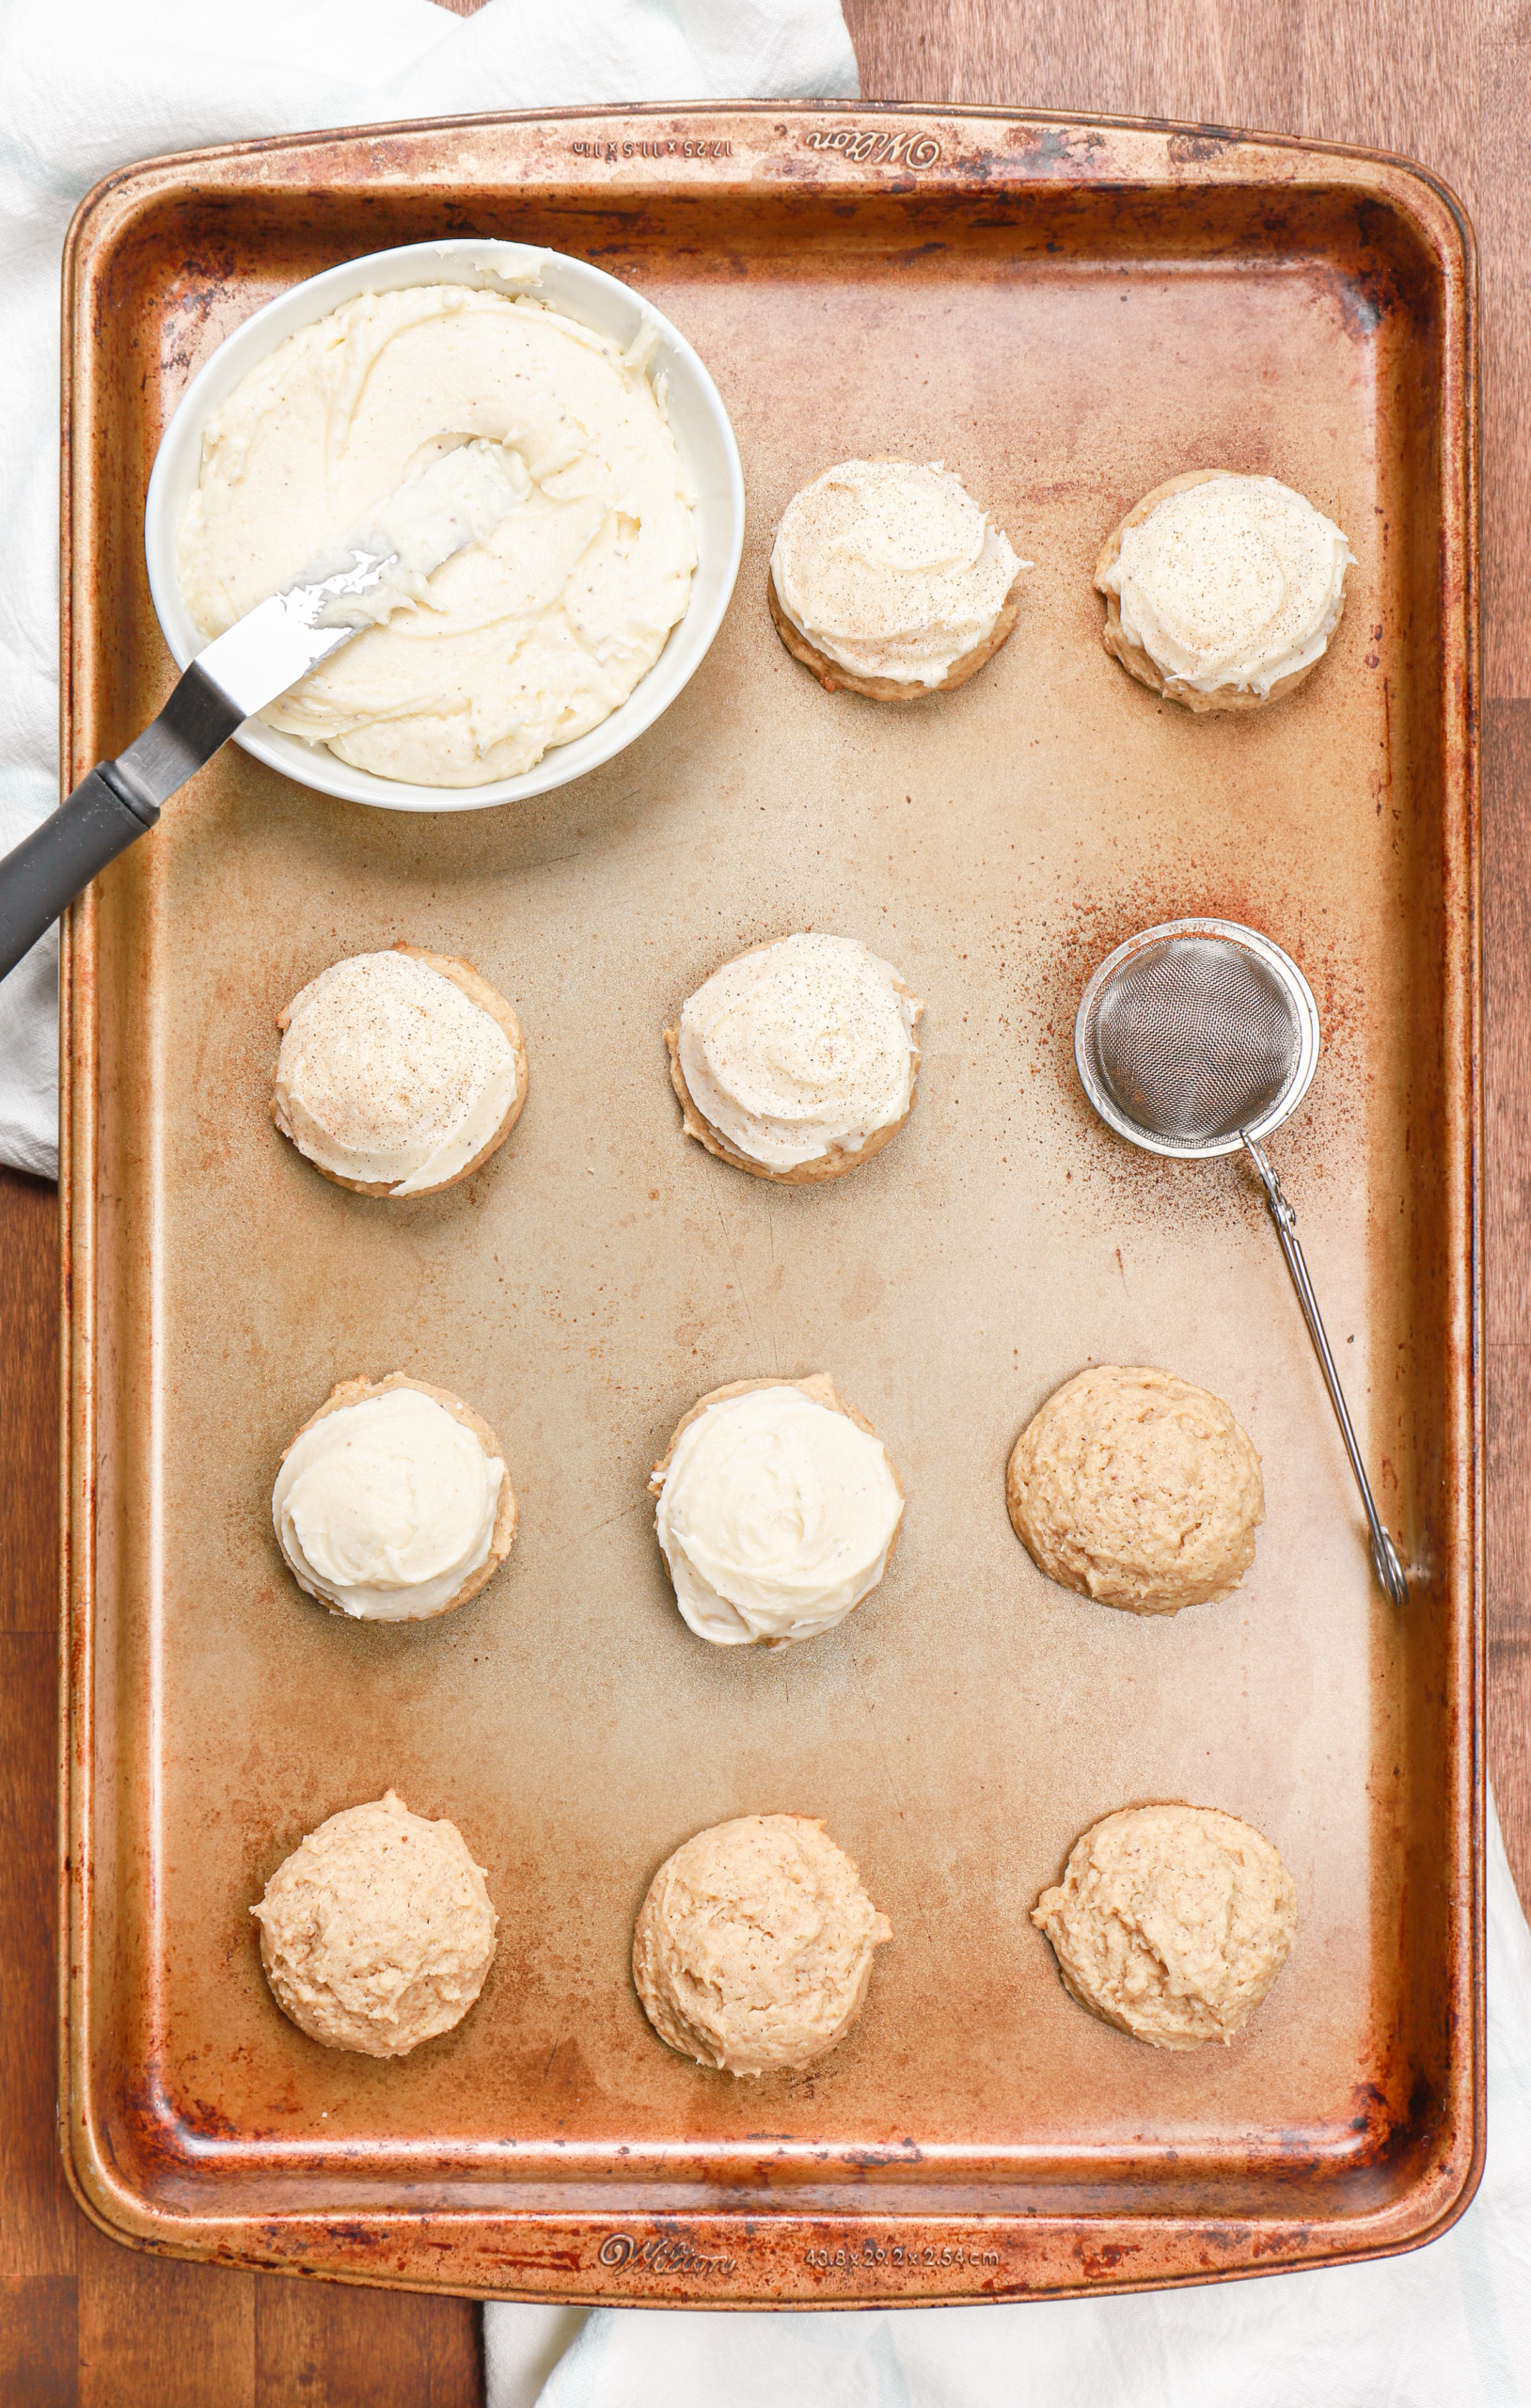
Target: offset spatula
(458, 500)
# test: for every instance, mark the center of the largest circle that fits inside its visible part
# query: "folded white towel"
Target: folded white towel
(1448, 2327)
(89, 84)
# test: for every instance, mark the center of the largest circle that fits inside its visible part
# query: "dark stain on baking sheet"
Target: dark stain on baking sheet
(1197, 150)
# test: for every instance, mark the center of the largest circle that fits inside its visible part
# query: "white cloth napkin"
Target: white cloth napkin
(1448, 2327)
(86, 86)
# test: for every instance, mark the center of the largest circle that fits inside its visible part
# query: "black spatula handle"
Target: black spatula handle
(118, 801)
(47, 870)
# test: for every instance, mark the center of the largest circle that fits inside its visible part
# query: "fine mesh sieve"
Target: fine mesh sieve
(1190, 1034)
(1199, 1037)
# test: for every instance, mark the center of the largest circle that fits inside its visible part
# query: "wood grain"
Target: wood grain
(28, 1406)
(163, 2330)
(38, 2227)
(36, 2340)
(320, 2346)
(82, 2319)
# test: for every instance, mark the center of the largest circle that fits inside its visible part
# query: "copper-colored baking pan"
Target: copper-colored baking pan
(1066, 313)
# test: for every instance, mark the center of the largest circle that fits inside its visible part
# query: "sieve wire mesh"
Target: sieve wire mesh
(1194, 1039)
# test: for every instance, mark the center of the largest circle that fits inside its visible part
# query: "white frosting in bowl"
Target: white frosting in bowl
(891, 570)
(800, 1048)
(459, 499)
(1235, 583)
(389, 1073)
(534, 634)
(776, 1516)
(385, 1508)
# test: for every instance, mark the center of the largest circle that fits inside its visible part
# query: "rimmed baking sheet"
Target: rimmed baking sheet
(1066, 313)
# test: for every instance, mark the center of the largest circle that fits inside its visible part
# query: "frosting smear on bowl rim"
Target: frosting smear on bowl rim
(539, 631)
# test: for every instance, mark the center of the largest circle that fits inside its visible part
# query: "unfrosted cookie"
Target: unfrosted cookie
(376, 1932)
(1136, 1489)
(1223, 590)
(1170, 1922)
(399, 1072)
(797, 1060)
(779, 1509)
(886, 579)
(753, 1949)
(393, 1503)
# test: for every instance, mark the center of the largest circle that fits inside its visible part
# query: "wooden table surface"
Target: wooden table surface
(1448, 80)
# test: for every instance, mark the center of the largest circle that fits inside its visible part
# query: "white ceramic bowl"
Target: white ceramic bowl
(697, 420)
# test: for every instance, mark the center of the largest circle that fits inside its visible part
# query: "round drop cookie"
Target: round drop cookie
(753, 1949)
(376, 1932)
(1171, 1922)
(392, 1503)
(1136, 1489)
(798, 1061)
(399, 1072)
(886, 579)
(1223, 590)
(777, 1510)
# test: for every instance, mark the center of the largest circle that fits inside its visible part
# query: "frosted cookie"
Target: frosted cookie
(886, 579)
(777, 1510)
(399, 1072)
(392, 1503)
(1223, 590)
(376, 1932)
(753, 1949)
(1137, 1490)
(798, 1061)
(1170, 1922)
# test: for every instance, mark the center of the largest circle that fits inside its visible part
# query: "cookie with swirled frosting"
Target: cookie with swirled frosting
(399, 1072)
(1223, 590)
(752, 1951)
(888, 579)
(777, 1510)
(393, 1503)
(797, 1060)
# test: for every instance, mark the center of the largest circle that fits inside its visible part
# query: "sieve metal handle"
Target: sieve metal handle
(1384, 1554)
